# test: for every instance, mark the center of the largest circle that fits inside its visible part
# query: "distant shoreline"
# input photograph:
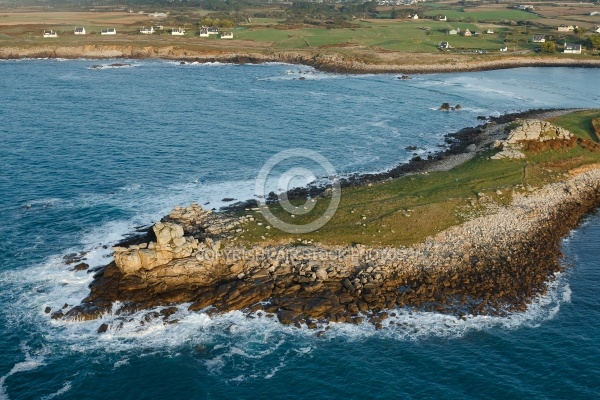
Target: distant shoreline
(323, 61)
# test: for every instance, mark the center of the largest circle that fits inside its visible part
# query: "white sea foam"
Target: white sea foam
(66, 387)
(246, 346)
(121, 363)
(30, 363)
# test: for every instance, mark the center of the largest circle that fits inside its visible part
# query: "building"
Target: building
(452, 32)
(571, 48)
(213, 30)
(595, 13)
(503, 49)
(227, 35)
(204, 32)
(108, 31)
(147, 31)
(177, 32)
(490, 31)
(444, 45)
(596, 29)
(50, 34)
(79, 31)
(414, 16)
(539, 39)
(158, 15)
(467, 33)
(566, 28)
(442, 18)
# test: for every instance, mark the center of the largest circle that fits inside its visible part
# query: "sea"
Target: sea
(89, 154)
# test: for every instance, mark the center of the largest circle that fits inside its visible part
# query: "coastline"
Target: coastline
(321, 60)
(456, 153)
(490, 265)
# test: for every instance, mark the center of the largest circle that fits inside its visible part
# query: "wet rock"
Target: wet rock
(286, 317)
(102, 328)
(81, 267)
(57, 315)
(167, 312)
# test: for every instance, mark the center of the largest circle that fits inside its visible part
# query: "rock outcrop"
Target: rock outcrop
(530, 130)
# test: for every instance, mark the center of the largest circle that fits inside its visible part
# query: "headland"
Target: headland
(534, 182)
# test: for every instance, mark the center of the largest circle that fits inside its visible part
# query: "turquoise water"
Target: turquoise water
(93, 153)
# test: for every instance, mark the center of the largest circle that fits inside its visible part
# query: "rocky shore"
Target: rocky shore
(322, 60)
(490, 265)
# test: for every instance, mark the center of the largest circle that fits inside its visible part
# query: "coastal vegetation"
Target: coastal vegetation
(406, 210)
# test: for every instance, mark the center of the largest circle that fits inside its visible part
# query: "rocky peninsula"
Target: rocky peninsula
(491, 264)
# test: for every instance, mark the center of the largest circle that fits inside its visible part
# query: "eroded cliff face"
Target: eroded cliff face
(321, 59)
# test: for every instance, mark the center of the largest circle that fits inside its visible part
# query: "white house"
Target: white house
(50, 34)
(595, 13)
(490, 31)
(177, 32)
(442, 18)
(571, 48)
(414, 16)
(213, 30)
(158, 15)
(108, 31)
(467, 32)
(204, 32)
(503, 49)
(444, 45)
(79, 31)
(596, 29)
(566, 28)
(147, 31)
(539, 39)
(452, 32)
(227, 35)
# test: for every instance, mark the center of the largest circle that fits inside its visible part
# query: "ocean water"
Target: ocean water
(86, 155)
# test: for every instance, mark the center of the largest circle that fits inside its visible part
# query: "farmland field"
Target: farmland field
(413, 36)
(483, 14)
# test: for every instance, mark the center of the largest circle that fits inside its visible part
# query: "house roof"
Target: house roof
(571, 46)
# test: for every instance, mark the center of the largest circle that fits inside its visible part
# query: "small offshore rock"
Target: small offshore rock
(81, 267)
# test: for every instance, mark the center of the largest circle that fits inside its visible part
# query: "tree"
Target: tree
(548, 47)
(594, 42)
(579, 31)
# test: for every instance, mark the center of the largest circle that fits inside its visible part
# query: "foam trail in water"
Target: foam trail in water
(29, 364)
(66, 387)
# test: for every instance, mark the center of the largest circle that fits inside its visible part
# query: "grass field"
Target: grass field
(580, 123)
(407, 210)
(482, 14)
(412, 36)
